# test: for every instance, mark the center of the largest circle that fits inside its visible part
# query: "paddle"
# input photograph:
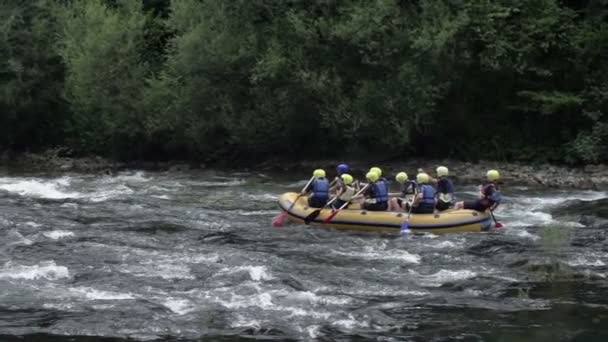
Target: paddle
(316, 213)
(496, 223)
(281, 219)
(328, 219)
(405, 226)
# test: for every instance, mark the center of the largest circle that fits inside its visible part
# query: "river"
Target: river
(193, 256)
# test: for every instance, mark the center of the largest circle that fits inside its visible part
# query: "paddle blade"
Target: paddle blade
(499, 225)
(405, 227)
(279, 220)
(312, 216)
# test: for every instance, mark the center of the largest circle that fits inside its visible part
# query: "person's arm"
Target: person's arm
(308, 188)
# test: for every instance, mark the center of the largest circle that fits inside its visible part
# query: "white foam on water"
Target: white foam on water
(164, 197)
(393, 254)
(59, 306)
(261, 300)
(58, 234)
(232, 182)
(94, 294)
(115, 191)
(69, 205)
(37, 188)
(256, 212)
(312, 298)
(159, 268)
(262, 197)
(523, 234)
(587, 260)
(350, 323)
(179, 306)
(241, 321)
(47, 270)
(444, 276)
(138, 176)
(256, 273)
(445, 245)
(33, 224)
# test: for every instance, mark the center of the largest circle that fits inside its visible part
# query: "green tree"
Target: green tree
(106, 75)
(32, 113)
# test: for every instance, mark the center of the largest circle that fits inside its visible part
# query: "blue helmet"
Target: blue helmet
(342, 169)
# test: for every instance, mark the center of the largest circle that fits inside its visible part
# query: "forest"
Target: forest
(505, 80)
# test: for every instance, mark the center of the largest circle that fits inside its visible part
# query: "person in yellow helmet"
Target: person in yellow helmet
(489, 195)
(318, 189)
(424, 201)
(345, 190)
(408, 187)
(376, 195)
(445, 189)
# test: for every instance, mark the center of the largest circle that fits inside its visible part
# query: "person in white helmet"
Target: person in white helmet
(445, 189)
(489, 195)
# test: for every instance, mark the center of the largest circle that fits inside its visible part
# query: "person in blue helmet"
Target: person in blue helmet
(337, 182)
(318, 189)
(376, 195)
(424, 201)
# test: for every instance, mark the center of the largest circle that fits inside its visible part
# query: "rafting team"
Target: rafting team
(428, 194)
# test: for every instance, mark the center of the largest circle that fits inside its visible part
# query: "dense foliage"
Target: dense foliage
(211, 79)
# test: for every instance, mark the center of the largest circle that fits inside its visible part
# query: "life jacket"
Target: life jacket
(380, 191)
(445, 190)
(348, 193)
(428, 194)
(408, 188)
(320, 188)
(495, 197)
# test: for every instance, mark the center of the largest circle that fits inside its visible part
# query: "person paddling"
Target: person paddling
(319, 190)
(336, 182)
(376, 195)
(424, 201)
(408, 187)
(489, 195)
(345, 191)
(445, 189)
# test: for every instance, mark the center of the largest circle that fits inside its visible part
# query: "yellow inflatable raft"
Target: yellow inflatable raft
(448, 221)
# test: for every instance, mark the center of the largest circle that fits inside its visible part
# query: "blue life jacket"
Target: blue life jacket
(380, 191)
(408, 188)
(428, 194)
(320, 188)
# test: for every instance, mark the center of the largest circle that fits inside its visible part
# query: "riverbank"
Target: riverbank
(513, 173)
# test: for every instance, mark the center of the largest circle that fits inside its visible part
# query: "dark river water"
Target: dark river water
(193, 256)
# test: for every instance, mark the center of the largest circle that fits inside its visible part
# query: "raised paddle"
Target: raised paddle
(316, 213)
(330, 217)
(281, 219)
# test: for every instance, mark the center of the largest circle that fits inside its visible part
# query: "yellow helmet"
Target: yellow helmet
(442, 171)
(377, 170)
(401, 177)
(319, 173)
(422, 178)
(493, 175)
(372, 176)
(347, 179)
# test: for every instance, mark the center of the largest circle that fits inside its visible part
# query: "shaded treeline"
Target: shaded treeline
(210, 79)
